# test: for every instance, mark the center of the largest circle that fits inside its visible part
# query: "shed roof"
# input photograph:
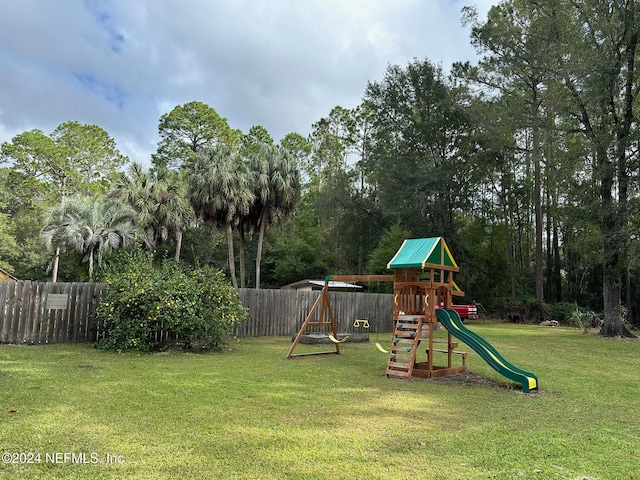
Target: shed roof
(423, 252)
(319, 284)
(4, 275)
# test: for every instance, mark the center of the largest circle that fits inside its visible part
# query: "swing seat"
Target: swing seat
(335, 340)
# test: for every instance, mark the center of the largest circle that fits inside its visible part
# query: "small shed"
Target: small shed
(310, 285)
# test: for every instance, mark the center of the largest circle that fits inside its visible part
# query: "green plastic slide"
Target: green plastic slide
(452, 322)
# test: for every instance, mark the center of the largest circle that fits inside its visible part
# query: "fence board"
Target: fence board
(24, 302)
(96, 295)
(4, 316)
(15, 311)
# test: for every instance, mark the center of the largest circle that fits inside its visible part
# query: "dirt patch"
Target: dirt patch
(467, 378)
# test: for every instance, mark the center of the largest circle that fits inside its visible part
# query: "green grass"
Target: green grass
(250, 414)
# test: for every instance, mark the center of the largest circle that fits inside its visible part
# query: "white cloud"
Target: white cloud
(284, 64)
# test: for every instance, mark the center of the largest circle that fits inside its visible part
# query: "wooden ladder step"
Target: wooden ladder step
(397, 373)
(404, 324)
(400, 365)
(405, 335)
(400, 356)
(403, 341)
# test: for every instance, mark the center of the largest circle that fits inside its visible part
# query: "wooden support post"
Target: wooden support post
(325, 306)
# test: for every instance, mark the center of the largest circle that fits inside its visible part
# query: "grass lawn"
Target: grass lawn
(250, 414)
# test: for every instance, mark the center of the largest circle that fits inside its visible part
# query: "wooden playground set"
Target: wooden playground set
(423, 287)
(422, 279)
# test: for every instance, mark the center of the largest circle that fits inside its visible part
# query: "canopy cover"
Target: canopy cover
(423, 252)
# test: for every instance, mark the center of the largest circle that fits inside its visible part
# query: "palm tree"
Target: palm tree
(138, 189)
(161, 201)
(220, 191)
(52, 235)
(90, 226)
(276, 184)
(174, 211)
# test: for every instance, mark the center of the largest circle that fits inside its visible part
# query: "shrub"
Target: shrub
(147, 308)
(526, 309)
(537, 310)
(562, 311)
(506, 306)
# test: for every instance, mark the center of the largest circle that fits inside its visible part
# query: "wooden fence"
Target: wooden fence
(40, 313)
(281, 312)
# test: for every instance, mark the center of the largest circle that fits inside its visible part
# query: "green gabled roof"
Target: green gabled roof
(421, 252)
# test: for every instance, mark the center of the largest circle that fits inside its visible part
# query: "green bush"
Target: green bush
(147, 308)
(562, 311)
(537, 311)
(529, 309)
(504, 306)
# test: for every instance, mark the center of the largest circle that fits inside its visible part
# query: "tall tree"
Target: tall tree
(491, 143)
(220, 191)
(44, 166)
(516, 64)
(276, 188)
(91, 151)
(186, 130)
(596, 48)
(175, 212)
(330, 183)
(298, 146)
(137, 188)
(414, 162)
(46, 169)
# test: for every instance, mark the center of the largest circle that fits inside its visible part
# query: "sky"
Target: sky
(282, 64)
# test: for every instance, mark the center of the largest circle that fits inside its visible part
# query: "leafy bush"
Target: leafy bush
(562, 311)
(527, 308)
(504, 306)
(537, 310)
(147, 307)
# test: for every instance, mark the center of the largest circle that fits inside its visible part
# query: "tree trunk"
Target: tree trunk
(549, 276)
(629, 297)
(557, 266)
(232, 266)
(178, 245)
(613, 325)
(537, 200)
(243, 248)
(90, 265)
(263, 227)
(507, 232)
(612, 269)
(512, 273)
(56, 262)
